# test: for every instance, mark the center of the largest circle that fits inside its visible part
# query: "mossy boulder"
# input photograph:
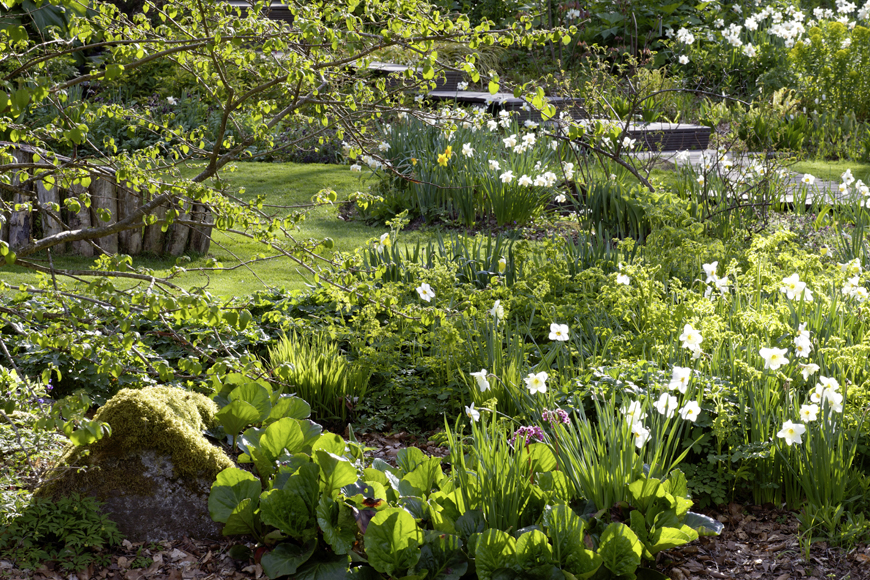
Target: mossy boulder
(155, 471)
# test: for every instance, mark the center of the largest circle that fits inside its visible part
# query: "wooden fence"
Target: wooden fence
(106, 195)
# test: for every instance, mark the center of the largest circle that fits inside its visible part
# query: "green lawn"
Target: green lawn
(832, 170)
(284, 184)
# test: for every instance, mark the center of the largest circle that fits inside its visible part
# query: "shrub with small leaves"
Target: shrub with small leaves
(70, 531)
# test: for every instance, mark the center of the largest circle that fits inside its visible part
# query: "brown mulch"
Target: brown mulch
(761, 543)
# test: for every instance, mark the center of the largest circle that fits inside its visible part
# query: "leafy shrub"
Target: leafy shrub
(831, 69)
(70, 531)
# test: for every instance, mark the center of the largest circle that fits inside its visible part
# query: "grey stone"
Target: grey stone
(172, 510)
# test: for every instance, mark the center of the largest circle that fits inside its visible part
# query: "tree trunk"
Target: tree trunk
(154, 234)
(104, 196)
(47, 197)
(80, 221)
(177, 236)
(20, 221)
(200, 236)
(130, 241)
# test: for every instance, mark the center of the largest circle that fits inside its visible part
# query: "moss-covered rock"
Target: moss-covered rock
(155, 471)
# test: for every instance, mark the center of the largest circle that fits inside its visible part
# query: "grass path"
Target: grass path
(284, 184)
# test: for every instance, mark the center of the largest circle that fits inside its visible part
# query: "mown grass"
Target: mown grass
(283, 184)
(832, 170)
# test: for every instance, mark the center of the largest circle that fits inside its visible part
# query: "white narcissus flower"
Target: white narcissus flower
(847, 177)
(684, 59)
(480, 377)
(850, 286)
(171, 100)
(773, 357)
(507, 176)
(425, 291)
(492, 125)
(851, 268)
(356, 167)
(525, 181)
(691, 338)
(802, 346)
(494, 165)
(561, 198)
(510, 142)
(383, 146)
(690, 411)
(497, 311)
(794, 288)
(667, 405)
(700, 180)
(808, 369)
(467, 150)
(462, 85)
(680, 379)
(472, 413)
(559, 332)
(808, 179)
(536, 383)
(623, 279)
(710, 270)
(809, 413)
(640, 434)
(791, 432)
(502, 265)
(634, 412)
(834, 399)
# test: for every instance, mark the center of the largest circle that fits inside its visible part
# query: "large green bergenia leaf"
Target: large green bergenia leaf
(280, 435)
(667, 538)
(566, 531)
(330, 442)
(256, 395)
(441, 557)
(337, 523)
(408, 458)
(495, 554)
(541, 457)
(644, 491)
(422, 479)
(229, 489)
(288, 406)
(286, 558)
(336, 471)
(392, 539)
(291, 508)
(331, 567)
(236, 416)
(287, 512)
(620, 549)
(534, 551)
(243, 520)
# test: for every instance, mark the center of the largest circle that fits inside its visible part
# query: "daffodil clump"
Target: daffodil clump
(469, 165)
